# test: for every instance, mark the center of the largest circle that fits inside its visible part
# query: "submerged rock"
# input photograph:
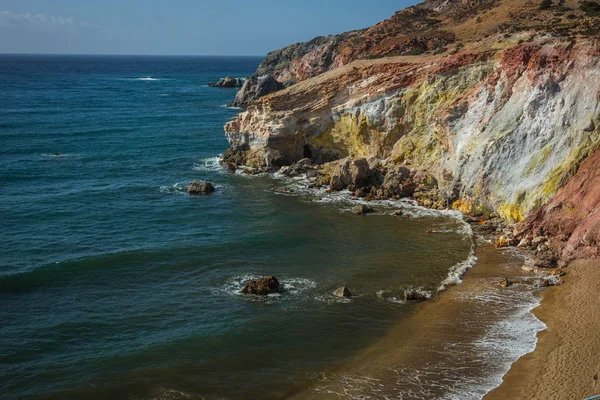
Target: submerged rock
(262, 286)
(362, 209)
(286, 190)
(342, 292)
(415, 295)
(227, 82)
(200, 187)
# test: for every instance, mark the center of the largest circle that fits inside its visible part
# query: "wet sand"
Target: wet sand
(566, 362)
(457, 346)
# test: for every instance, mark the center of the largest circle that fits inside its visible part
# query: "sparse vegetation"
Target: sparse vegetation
(414, 52)
(591, 8)
(546, 4)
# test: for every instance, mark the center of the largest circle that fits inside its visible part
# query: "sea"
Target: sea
(115, 283)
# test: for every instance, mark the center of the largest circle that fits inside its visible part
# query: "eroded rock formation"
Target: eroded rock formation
(495, 113)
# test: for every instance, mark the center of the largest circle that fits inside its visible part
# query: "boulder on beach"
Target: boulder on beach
(262, 286)
(228, 82)
(505, 282)
(200, 187)
(343, 292)
(506, 241)
(542, 259)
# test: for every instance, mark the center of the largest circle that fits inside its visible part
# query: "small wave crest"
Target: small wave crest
(458, 271)
(54, 155)
(209, 164)
(178, 188)
(144, 79)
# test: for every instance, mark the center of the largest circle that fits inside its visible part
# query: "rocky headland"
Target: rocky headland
(488, 107)
(497, 113)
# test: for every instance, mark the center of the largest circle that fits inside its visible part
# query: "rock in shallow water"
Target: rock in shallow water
(362, 210)
(227, 82)
(415, 295)
(200, 187)
(342, 292)
(262, 286)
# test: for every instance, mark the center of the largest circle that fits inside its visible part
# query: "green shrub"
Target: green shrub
(414, 52)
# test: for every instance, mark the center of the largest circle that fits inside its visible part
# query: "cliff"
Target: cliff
(499, 106)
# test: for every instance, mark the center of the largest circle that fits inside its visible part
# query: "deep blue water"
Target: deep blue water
(115, 283)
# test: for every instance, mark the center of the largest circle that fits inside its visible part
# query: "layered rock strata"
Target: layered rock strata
(498, 124)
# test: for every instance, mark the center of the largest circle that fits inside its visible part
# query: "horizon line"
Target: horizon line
(129, 55)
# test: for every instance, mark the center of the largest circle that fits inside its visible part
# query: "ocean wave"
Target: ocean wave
(54, 155)
(514, 336)
(177, 188)
(209, 164)
(144, 79)
(451, 377)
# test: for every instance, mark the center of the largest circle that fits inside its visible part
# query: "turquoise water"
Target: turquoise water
(115, 283)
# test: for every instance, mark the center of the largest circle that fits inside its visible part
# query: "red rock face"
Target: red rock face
(572, 218)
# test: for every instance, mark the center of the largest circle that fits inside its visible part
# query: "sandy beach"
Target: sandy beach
(566, 361)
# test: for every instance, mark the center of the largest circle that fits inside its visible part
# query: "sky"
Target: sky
(179, 27)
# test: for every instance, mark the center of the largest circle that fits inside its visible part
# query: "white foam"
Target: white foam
(506, 341)
(290, 287)
(179, 187)
(54, 155)
(144, 79)
(209, 164)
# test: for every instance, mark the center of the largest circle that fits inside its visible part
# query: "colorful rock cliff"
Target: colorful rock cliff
(499, 106)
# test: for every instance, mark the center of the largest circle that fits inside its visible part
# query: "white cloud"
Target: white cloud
(38, 21)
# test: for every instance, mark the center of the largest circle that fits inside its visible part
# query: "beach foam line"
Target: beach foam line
(511, 338)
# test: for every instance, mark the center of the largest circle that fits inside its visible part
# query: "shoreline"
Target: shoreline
(374, 358)
(566, 361)
(530, 365)
(453, 346)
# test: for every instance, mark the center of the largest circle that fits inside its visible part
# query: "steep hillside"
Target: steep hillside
(432, 26)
